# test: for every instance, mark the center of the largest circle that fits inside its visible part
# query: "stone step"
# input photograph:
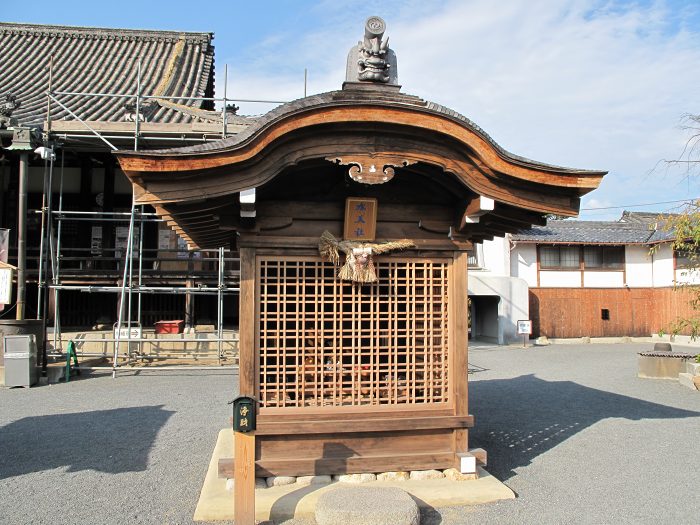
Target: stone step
(350, 504)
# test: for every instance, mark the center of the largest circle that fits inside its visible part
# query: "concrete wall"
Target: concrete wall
(511, 297)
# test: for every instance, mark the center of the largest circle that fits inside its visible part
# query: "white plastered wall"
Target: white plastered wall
(639, 266)
(523, 263)
(603, 279)
(560, 279)
(497, 256)
(662, 266)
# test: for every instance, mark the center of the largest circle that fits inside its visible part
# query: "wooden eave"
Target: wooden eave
(345, 127)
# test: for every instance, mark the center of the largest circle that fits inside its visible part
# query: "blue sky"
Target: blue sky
(581, 83)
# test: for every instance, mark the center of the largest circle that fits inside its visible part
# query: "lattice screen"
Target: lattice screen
(326, 342)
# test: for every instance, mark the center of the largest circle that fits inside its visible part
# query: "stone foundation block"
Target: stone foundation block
(426, 474)
(276, 481)
(355, 478)
(313, 480)
(455, 475)
(393, 476)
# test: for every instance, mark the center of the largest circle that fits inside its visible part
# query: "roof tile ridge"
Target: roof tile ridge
(103, 32)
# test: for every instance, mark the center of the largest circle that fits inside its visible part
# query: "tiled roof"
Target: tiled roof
(103, 61)
(587, 232)
(644, 217)
(633, 228)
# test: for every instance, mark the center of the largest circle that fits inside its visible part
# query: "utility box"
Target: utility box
(170, 327)
(20, 360)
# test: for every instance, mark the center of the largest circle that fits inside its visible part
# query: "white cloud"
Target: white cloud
(589, 84)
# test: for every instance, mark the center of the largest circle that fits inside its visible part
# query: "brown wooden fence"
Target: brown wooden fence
(567, 312)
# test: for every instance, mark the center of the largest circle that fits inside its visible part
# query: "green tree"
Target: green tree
(685, 227)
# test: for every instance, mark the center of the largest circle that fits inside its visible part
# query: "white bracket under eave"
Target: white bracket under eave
(476, 208)
(247, 200)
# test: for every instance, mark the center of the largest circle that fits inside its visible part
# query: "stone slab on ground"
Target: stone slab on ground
(366, 506)
(299, 501)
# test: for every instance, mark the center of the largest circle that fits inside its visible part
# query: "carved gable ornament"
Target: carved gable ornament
(371, 168)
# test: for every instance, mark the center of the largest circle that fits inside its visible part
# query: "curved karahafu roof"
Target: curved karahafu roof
(359, 122)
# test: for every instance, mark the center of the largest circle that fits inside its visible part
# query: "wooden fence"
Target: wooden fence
(604, 312)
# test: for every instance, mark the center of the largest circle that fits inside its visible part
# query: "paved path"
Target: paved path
(569, 428)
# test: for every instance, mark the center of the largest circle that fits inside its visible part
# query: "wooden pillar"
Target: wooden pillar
(87, 203)
(244, 444)
(189, 301)
(4, 169)
(458, 312)
(108, 206)
(247, 323)
(22, 234)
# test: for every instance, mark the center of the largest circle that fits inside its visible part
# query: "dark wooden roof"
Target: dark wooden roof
(187, 185)
(101, 60)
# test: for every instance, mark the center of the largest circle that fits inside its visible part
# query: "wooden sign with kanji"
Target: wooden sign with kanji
(360, 219)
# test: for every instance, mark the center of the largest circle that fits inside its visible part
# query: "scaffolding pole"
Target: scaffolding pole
(57, 274)
(52, 248)
(127, 264)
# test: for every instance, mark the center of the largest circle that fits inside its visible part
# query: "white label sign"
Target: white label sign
(123, 333)
(5, 285)
(524, 327)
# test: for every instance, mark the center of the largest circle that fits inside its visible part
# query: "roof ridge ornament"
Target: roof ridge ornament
(371, 60)
(8, 103)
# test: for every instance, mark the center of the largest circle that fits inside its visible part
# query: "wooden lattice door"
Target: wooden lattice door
(326, 342)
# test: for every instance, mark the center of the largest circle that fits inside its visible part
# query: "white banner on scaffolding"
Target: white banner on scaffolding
(5, 272)
(5, 286)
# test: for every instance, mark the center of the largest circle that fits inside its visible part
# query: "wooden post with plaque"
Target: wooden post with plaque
(244, 418)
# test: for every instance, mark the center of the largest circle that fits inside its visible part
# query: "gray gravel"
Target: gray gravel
(97, 450)
(570, 429)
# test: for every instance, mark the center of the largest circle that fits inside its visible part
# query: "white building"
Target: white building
(579, 278)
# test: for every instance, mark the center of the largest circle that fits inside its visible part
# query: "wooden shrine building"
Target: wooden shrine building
(358, 356)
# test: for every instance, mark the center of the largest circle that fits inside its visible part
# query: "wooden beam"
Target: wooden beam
(340, 426)
(331, 465)
(474, 209)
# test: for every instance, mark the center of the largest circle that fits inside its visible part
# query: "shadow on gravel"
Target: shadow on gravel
(518, 419)
(110, 441)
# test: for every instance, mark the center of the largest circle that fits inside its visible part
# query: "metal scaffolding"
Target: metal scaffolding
(127, 330)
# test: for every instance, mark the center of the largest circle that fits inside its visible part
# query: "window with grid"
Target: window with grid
(559, 257)
(327, 342)
(686, 259)
(604, 257)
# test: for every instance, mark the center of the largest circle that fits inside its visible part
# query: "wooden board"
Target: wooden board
(576, 312)
(360, 219)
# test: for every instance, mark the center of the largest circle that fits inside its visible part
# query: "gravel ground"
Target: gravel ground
(569, 428)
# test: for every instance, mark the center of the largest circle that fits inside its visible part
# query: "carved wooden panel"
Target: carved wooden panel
(323, 342)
